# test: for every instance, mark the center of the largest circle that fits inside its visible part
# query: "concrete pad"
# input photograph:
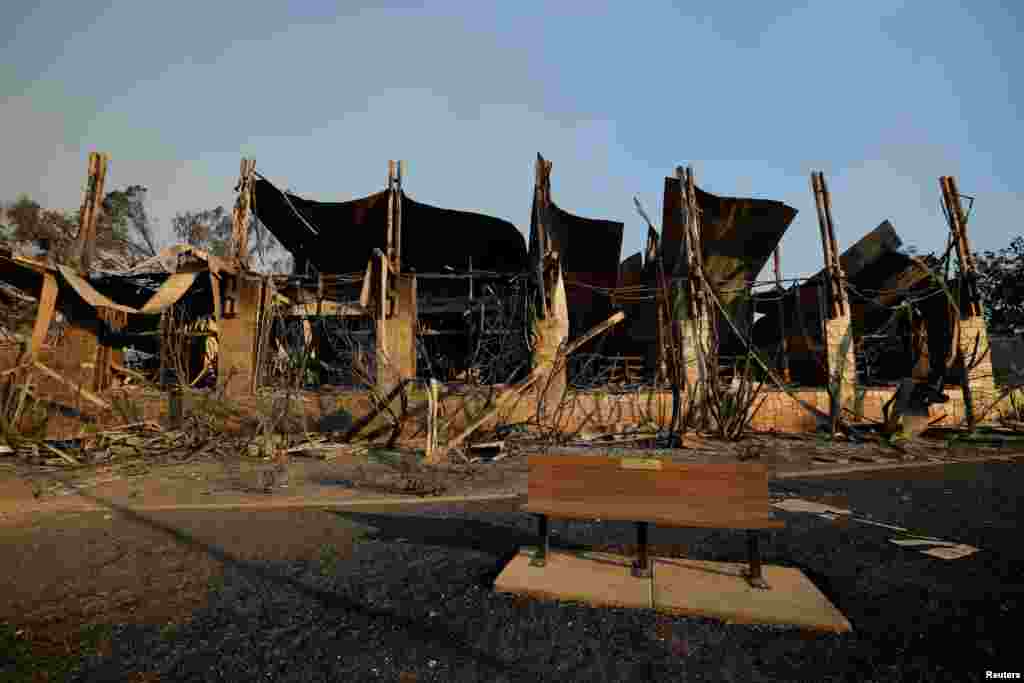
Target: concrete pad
(599, 579)
(719, 590)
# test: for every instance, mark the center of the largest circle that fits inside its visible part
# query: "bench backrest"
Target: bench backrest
(714, 495)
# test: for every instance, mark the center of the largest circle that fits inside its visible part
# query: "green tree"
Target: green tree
(1001, 285)
(124, 222)
(211, 231)
(28, 221)
(122, 227)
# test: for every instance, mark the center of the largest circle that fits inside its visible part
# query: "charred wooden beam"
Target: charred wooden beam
(91, 204)
(970, 303)
(783, 337)
(240, 213)
(834, 277)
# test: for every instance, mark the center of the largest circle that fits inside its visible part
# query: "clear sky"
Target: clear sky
(884, 97)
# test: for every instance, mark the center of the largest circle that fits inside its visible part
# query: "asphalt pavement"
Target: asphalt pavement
(414, 602)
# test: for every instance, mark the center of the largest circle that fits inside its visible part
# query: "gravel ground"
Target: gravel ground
(413, 601)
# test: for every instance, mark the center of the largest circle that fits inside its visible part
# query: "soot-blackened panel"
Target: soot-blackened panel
(339, 237)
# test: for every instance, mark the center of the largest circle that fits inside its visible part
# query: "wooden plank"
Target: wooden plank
(784, 338)
(215, 293)
(86, 243)
(398, 217)
(389, 249)
(837, 266)
(538, 229)
(16, 368)
(597, 483)
(101, 368)
(44, 316)
(86, 394)
(724, 517)
(826, 244)
(593, 332)
(241, 211)
(726, 495)
(958, 229)
(367, 290)
(116, 367)
(433, 391)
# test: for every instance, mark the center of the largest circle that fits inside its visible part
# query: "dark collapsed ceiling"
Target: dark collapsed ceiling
(589, 248)
(432, 238)
(738, 235)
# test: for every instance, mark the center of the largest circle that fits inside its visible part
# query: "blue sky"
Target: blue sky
(884, 97)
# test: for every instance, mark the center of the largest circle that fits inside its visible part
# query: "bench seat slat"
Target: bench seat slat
(655, 513)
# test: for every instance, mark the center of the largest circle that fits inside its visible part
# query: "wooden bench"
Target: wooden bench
(648, 491)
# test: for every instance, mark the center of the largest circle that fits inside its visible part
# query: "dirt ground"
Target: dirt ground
(243, 481)
(72, 571)
(80, 558)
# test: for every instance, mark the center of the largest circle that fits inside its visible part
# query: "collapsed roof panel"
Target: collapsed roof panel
(339, 237)
(878, 244)
(589, 248)
(738, 237)
(738, 234)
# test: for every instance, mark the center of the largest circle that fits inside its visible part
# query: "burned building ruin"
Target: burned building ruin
(385, 289)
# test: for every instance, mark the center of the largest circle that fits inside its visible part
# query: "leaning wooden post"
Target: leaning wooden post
(240, 214)
(538, 229)
(90, 211)
(433, 391)
(780, 292)
(389, 250)
(837, 324)
(398, 217)
(972, 340)
(697, 295)
(970, 303)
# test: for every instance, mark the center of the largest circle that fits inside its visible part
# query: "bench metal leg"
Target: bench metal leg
(754, 553)
(540, 558)
(642, 564)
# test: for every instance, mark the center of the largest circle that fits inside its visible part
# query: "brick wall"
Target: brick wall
(839, 343)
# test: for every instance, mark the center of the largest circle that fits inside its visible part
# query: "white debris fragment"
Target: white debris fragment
(952, 553)
(922, 541)
(800, 505)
